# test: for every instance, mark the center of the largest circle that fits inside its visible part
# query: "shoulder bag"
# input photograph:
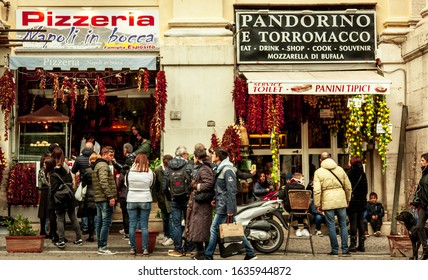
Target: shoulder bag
(80, 192)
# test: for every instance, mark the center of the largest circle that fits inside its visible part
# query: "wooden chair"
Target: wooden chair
(299, 204)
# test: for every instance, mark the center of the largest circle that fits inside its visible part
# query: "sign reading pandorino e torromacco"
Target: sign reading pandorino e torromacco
(265, 36)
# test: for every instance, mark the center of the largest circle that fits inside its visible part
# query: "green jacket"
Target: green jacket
(163, 203)
(145, 148)
(103, 181)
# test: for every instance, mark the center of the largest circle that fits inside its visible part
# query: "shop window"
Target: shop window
(319, 135)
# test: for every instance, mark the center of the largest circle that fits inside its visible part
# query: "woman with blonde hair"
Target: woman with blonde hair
(139, 181)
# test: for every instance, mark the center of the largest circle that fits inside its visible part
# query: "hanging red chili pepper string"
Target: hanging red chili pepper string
(240, 97)
(146, 80)
(21, 187)
(73, 93)
(101, 88)
(7, 98)
(157, 124)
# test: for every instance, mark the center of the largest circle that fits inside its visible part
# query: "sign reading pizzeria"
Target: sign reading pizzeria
(306, 36)
(100, 29)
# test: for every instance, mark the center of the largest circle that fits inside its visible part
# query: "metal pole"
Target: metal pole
(404, 115)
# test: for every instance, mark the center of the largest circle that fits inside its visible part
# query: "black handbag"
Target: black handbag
(204, 196)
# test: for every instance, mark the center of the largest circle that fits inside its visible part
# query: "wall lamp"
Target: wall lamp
(7, 5)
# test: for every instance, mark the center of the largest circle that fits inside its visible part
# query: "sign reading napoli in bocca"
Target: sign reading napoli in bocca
(306, 36)
(100, 29)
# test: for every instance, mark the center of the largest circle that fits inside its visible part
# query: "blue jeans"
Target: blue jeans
(138, 213)
(341, 217)
(84, 221)
(214, 236)
(103, 222)
(166, 220)
(319, 219)
(177, 209)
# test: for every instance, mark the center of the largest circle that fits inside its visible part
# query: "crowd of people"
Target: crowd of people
(187, 191)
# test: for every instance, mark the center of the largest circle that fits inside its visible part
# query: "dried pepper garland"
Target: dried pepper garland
(101, 88)
(21, 186)
(139, 79)
(146, 80)
(3, 164)
(73, 99)
(240, 98)
(157, 124)
(254, 119)
(85, 96)
(231, 141)
(42, 75)
(55, 89)
(215, 141)
(7, 98)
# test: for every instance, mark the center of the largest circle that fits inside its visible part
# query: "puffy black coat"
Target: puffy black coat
(55, 183)
(358, 201)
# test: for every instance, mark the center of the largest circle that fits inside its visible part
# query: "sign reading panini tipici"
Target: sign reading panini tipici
(99, 29)
(306, 36)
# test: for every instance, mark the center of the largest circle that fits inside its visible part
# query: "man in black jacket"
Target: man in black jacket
(80, 165)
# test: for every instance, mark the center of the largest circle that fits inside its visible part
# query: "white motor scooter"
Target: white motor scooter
(265, 234)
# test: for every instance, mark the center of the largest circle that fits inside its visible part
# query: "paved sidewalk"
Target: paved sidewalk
(377, 248)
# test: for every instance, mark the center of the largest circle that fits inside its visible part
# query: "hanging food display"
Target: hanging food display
(354, 127)
(7, 98)
(21, 186)
(231, 141)
(157, 124)
(101, 88)
(383, 128)
(3, 164)
(146, 80)
(240, 98)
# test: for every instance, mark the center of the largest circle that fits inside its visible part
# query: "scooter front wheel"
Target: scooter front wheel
(274, 243)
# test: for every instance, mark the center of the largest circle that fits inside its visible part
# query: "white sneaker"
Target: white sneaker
(105, 251)
(168, 242)
(319, 233)
(122, 231)
(305, 232)
(299, 232)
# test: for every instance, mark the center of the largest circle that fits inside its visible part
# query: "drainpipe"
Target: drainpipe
(400, 156)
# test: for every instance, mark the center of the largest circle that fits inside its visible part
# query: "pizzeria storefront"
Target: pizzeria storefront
(97, 66)
(312, 83)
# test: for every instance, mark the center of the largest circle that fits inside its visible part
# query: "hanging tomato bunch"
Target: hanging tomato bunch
(354, 128)
(382, 115)
(7, 98)
(157, 124)
(55, 89)
(21, 187)
(274, 148)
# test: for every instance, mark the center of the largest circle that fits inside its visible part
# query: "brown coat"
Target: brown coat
(199, 215)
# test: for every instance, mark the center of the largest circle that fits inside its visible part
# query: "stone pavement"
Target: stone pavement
(377, 248)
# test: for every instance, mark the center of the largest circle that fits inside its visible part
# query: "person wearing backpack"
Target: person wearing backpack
(177, 187)
(61, 178)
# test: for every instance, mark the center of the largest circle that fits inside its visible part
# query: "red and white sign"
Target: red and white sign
(101, 29)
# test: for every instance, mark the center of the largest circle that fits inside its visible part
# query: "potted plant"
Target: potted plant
(22, 237)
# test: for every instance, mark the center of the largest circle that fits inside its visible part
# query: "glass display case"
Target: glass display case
(33, 143)
(37, 131)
